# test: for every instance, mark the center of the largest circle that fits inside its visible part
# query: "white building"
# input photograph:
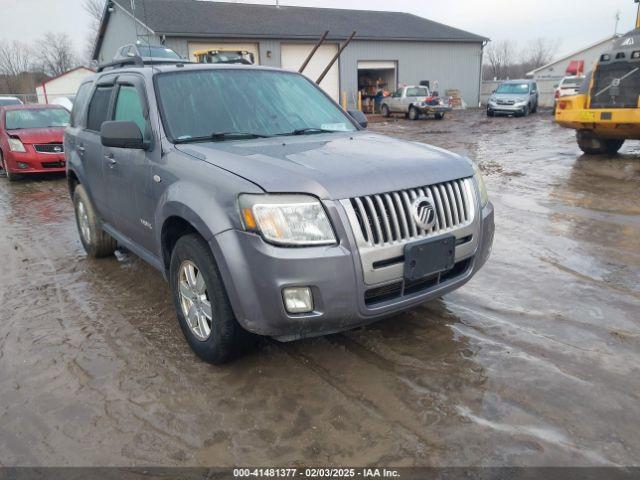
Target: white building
(65, 85)
(582, 60)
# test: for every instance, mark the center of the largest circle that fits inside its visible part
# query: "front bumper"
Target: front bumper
(255, 273)
(621, 123)
(32, 161)
(506, 109)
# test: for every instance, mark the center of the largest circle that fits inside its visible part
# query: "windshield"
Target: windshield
(515, 88)
(36, 118)
(199, 104)
(9, 101)
(157, 52)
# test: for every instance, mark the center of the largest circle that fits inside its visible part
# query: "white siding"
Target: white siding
(293, 56)
(62, 86)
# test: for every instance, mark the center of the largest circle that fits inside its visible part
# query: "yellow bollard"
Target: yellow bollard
(359, 100)
(344, 100)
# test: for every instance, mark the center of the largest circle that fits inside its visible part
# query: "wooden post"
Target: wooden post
(359, 100)
(344, 100)
(313, 51)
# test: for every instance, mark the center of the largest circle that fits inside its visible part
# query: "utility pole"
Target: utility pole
(615, 31)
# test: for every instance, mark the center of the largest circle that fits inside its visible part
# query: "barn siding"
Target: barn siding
(453, 65)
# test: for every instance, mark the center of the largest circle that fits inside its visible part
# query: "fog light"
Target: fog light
(298, 299)
(22, 165)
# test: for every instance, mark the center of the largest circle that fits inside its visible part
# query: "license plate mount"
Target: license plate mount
(429, 257)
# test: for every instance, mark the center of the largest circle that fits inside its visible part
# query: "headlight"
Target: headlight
(295, 220)
(15, 145)
(484, 196)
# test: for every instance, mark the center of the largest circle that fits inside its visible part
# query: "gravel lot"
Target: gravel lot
(534, 362)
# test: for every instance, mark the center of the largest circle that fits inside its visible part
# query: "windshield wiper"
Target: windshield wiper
(307, 131)
(222, 136)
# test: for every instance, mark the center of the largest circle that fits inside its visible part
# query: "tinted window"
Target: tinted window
(36, 118)
(9, 101)
(157, 52)
(417, 92)
(98, 108)
(79, 104)
(198, 103)
(129, 107)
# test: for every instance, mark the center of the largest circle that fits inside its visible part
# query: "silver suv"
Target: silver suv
(267, 207)
(514, 97)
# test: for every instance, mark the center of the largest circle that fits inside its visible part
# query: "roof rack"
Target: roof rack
(140, 62)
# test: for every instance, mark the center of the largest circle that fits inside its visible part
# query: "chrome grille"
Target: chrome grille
(54, 148)
(387, 218)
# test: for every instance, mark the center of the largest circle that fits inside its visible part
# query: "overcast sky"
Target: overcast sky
(574, 23)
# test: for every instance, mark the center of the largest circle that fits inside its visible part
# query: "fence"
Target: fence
(546, 87)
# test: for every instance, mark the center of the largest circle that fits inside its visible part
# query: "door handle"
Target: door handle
(112, 161)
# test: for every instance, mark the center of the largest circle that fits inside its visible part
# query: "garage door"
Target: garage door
(293, 56)
(229, 47)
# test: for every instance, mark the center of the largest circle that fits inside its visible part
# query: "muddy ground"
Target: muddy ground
(535, 362)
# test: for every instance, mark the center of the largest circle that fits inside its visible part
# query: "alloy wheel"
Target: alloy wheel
(194, 300)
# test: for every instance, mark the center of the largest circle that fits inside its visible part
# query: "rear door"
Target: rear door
(89, 146)
(128, 171)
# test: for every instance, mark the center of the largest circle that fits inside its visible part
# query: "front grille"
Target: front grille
(505, 102)
(56, 148)
(387, 218)
(53, 164)
(616, 85)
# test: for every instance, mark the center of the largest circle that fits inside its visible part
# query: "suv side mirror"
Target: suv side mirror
(122, 134)
(359, 117)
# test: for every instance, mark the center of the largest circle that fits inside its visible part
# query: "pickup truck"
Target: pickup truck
(414, 101)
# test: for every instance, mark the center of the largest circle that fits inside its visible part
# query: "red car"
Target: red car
(31, 139)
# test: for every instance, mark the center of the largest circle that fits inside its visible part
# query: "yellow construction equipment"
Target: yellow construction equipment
(606, 110)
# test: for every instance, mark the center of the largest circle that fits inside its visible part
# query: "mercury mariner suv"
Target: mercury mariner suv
(268, 208)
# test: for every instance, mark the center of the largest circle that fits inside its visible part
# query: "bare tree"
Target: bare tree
(501, 57)
(54, 54)
(539, 52)
(95, 9)
(15, 59)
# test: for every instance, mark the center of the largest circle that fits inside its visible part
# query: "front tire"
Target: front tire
(591, 144)
(490, 113)
(439, 116)
(12, 177)
(202, 306)
(386, 113)
(413, 113)
(95, 241)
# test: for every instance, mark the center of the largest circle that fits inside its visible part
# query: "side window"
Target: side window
(99, 108)
(398, 93)
(129, 107)
(79, 104)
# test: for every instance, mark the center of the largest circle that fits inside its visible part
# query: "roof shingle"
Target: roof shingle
(242, 20)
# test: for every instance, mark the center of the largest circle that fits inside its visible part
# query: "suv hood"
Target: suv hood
(38, 135)
(333, 166)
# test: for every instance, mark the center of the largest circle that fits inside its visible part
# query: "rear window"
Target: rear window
(99, 108)
(79, 104)
(4, 102)
(36, 118)
(417, 92)
(157, 52)
(572, 82)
